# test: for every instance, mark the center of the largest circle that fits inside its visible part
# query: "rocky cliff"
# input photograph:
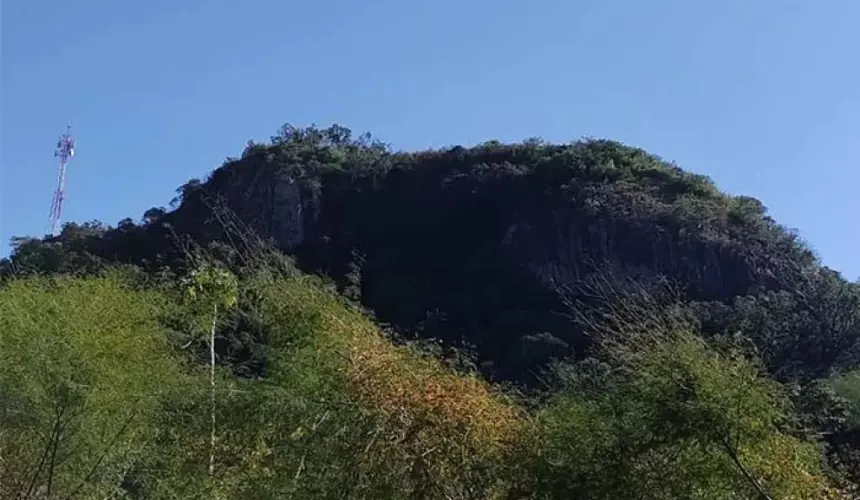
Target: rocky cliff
(476, 244)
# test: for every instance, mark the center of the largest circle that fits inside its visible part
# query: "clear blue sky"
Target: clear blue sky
(762, 95)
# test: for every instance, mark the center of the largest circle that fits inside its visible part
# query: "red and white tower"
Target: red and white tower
(64, 152)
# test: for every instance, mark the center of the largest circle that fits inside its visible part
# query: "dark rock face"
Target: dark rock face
(287, 214)
(476, 244)
(266, 198)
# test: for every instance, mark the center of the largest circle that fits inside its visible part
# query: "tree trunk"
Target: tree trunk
(746, 473)
(212, 392)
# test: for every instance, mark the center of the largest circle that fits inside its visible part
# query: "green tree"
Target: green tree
(216, 289)
(676, 419)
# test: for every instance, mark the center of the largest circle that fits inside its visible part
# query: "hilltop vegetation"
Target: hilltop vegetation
(504, 321)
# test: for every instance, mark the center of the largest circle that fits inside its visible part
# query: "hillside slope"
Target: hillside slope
(106, 395)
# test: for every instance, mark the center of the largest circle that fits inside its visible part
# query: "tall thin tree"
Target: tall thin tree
(218, 290)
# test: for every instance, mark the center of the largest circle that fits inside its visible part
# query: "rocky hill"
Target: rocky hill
(543, 266)
(489, 246)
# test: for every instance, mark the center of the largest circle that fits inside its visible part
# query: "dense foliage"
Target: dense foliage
(104, 398)
(665, 340)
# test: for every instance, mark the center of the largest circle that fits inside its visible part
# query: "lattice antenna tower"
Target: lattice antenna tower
(64, 152)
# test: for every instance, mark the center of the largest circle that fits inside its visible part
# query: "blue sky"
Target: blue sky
(763, 96)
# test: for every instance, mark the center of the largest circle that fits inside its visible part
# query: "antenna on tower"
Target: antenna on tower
(64, 152)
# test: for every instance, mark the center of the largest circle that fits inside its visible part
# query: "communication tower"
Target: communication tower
(64, 152)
